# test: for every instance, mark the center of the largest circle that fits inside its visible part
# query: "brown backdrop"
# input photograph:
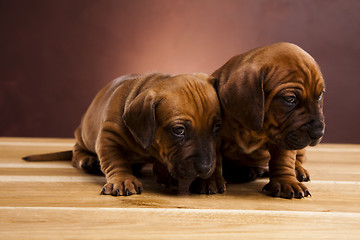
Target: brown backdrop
(55, 55)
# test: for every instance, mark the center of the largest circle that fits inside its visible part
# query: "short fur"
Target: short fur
(136, 119)
(273, 108)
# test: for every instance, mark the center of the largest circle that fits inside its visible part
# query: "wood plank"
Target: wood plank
(327, 197)
(151, 223)
(52, 200)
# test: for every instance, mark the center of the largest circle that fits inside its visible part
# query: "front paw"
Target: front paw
(301, 173)
(122, 186)
(212, 185)
(242, 174)
(286, 187)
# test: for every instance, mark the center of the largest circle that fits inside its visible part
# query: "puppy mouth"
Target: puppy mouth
(190, 168)
(205, 175)
(294, 142)
(302, 138)
(182, 170)
(315, 142)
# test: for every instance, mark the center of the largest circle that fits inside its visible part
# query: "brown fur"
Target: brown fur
(137, 119)
(261, 127)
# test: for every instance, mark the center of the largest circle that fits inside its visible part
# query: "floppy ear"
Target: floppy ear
(243, 96)
(139, 117)
(215, 83)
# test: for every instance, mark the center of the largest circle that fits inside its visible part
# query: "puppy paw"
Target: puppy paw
(91, 165)
(184, 186)
(245, 174)
(301, 173)
(209, 186)
(254, 173)
(286, 188)
(122, 186)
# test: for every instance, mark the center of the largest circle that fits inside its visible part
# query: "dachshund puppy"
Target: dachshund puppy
(272, 102)
(135, 119)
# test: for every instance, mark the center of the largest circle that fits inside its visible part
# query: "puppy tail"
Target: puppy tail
(57, 156)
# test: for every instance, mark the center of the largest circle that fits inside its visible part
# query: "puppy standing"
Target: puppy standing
(272, 103)
(136, 119)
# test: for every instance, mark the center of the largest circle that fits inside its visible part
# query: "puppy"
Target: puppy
(272, 101)
(174, 119)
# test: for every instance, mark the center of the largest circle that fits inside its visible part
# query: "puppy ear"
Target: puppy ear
(139, 117)
(215, 83)
(243, 96)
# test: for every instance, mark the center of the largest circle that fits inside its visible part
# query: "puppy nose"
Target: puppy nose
(203, 166)
(316, 129)
(316, 134)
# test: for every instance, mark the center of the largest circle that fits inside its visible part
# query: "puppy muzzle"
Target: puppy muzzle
(316, 130)
(194, 167)
(203, 166)
(308, 134)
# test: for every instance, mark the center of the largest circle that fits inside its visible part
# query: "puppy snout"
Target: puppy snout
(203, 168)
(316, 129)
(203, 165)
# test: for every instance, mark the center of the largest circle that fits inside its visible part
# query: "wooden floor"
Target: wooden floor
(52, 200)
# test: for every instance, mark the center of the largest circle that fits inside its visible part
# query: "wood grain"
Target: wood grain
(52, 200)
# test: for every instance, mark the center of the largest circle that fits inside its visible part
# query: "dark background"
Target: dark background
(56, 54)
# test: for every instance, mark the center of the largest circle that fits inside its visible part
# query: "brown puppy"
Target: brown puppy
(136, 119)
(272, 103)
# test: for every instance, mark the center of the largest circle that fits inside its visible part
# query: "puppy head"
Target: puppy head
(278, 91)
(178, 120)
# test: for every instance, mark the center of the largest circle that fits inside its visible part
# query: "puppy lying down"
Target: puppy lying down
(136, 119)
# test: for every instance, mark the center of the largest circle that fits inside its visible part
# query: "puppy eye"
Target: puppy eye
(290, 100)
(179, 131)
(217, 128)
(320, 97)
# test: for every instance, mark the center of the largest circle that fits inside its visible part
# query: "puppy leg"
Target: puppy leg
(283, 182)
(301, 173)
(247, 167)
(85, 160)
(215, 184)
(242, 174)
(163, 176)
(184, 186)
(116, 166)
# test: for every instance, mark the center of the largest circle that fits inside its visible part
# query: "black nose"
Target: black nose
(316, 129)
(203, 168)
(203, 165)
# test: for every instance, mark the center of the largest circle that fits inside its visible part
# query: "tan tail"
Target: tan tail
(57, 156)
